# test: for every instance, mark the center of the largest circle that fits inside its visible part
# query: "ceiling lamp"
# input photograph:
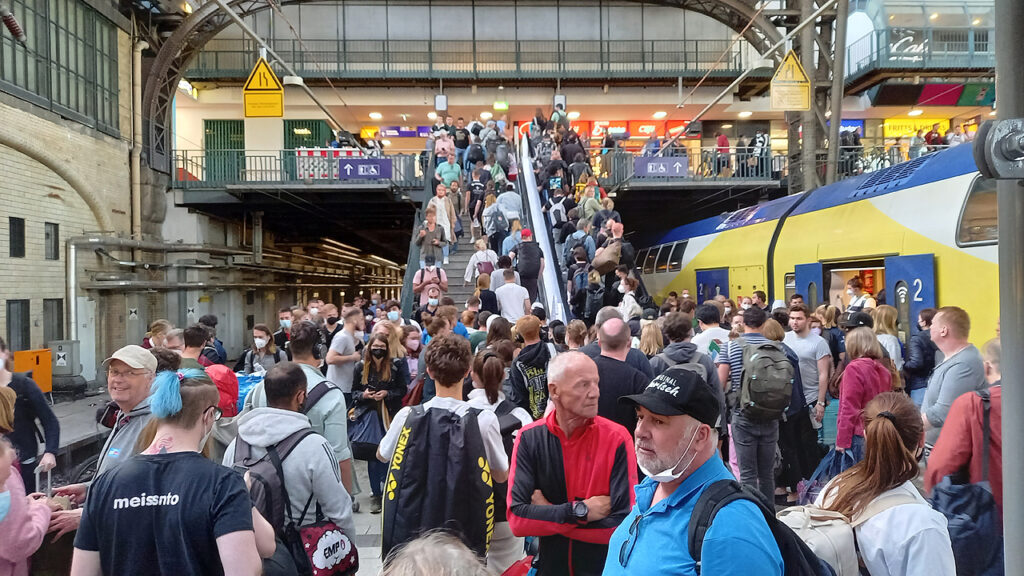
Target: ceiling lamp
(915, 112)
(745, 114)
(485, 115)
(660, 114)
(376, 115)
(432, 115)
(573, 115)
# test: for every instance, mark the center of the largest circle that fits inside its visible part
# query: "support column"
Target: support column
(1010, 99)
(810, 123)
(836, 95)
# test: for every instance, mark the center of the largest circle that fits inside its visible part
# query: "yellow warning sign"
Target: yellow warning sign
(263, 93)
(790, 87)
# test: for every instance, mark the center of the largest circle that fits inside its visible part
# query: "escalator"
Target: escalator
(412, 263)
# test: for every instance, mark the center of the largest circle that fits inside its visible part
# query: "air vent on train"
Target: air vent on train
(890, 177)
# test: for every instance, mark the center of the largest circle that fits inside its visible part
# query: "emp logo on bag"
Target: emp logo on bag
(331, 549)
(396, 461)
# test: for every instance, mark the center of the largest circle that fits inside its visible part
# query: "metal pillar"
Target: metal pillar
(838, 90)
(1010, 101)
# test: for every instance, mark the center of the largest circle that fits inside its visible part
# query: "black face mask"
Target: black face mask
(378, 353)
(332, 319)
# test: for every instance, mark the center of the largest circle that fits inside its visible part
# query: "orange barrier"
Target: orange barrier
(40, 364)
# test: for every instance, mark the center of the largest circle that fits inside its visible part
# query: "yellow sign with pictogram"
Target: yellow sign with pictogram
(790, 86)
(263, 93)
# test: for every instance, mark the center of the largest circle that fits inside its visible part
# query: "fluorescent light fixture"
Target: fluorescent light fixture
(660, 114)
(915, 112)
(301, 131)
(485, 115)
(934, 16)
(726, 126)
(432, 115)
(976, 22)
(376, 115)
(574, 115)
(745, 114)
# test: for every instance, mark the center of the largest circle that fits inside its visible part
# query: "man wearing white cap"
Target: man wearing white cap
(130, 372)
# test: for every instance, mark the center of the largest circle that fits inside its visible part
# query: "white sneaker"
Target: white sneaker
(446, 261)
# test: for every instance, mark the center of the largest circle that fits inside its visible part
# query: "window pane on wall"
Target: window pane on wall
(51, 240)
(16, 237)
(53, 319)
(18, 325)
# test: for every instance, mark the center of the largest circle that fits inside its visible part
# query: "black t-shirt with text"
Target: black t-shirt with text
(162, 514)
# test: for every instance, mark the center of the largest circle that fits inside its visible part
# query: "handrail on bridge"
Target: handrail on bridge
(412, 263)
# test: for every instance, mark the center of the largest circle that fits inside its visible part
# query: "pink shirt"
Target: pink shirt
(22, 531)
(863, 379)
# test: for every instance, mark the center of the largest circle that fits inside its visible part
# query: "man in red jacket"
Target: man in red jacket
(960, 443)
(572, 474)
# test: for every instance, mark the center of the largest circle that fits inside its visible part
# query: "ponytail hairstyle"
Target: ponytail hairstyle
(489, 370)
(892, 432)
(180, 398)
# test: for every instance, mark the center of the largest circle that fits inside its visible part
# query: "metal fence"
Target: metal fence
(704, 164)
(220, 168)
(466, 58)
(921, 48)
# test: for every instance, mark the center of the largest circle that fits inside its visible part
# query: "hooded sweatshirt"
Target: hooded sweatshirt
(528, 378)
(120, 445)
(310, 468)
(685, 352)
(863, 379)
(22, 531)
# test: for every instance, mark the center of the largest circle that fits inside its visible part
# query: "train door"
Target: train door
(910, 285)
(711, 283)
(810, 282)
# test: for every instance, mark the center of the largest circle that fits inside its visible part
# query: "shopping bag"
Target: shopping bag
(833, 464)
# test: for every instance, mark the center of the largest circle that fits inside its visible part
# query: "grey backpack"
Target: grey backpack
(766, 383)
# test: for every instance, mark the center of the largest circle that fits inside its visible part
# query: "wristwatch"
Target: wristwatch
(580, 511)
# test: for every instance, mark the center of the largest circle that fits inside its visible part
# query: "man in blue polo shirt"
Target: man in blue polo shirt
(677, 449)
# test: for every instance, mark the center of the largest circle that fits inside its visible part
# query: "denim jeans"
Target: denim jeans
(918, 396)
(755, 444)
(377, 471)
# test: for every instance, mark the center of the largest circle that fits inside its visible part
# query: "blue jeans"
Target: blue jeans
(755, 444)
(460, 156)
(918, 396)
(377, 472)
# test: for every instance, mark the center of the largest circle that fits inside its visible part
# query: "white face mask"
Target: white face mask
(728, 309)
(745, 306)
(622, 288)
(849, 291)
(668, 475)
(314, 310)
(816, 331)
(260, 342)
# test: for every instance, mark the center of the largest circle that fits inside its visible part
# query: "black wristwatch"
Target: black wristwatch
(580, 511)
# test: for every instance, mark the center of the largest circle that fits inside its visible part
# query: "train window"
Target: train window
(649, 261)
(979, 217)
(675, 261)
(663, 258)
(641, 257)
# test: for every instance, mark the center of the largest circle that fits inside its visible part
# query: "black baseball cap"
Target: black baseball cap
(676, 391)
(650, 314)
(858, 319)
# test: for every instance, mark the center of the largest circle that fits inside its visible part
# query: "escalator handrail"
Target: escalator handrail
(412, 263)
(552, 288)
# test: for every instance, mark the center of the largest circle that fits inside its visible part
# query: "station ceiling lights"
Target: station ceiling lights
(726, 126)
(376, 115)
(660, 114)
(915, 112)
(485, 115)
(432, 115)
(745, 114)
(574, 115)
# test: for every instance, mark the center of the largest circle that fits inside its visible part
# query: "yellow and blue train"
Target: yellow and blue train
(919, 234)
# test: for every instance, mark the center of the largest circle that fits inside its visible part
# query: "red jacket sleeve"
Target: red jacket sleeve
(622, 479)
(952, 451)
(524, 517)
(851, 394)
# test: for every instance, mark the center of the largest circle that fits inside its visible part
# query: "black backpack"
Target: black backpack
(317, 394)
(439, 477)
(797, 558)
(508, 423)
(267, 490)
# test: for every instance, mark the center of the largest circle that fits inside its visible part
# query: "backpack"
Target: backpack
(579, 280)
(508, 423)
(797, 557)
(970, 510)
(766, 383)
(316, 394)
(562, 119)
(485, 267)
(544, 149)
(594, 302)
(501, 154)
(498, 221)
(475, 153)
(831, 536)
(267, 477)
(557, 213)
(435, 444)
(693, 365)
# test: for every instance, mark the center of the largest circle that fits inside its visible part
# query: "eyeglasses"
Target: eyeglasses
(120, 374)
(217, 412)
(627, 546)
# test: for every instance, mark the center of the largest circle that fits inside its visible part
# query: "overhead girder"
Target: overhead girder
(176, 52)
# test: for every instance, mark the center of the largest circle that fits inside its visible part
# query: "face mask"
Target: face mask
(430, 268)
(816, 331)
(374, 301)
(378, 353)
(728, 309)
(394, 315)
(332, 319)
(622, 288)
(413, 345)
(432, 302)
(314, 310)
(5, 504)
(286, 324)
(260, 342)
(849, 291)
(360, 335)
(745, 306)
(668, 475)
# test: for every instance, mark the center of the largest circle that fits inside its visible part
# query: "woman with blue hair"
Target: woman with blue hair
(169, 510)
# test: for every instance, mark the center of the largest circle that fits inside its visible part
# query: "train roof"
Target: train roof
(926, 169)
